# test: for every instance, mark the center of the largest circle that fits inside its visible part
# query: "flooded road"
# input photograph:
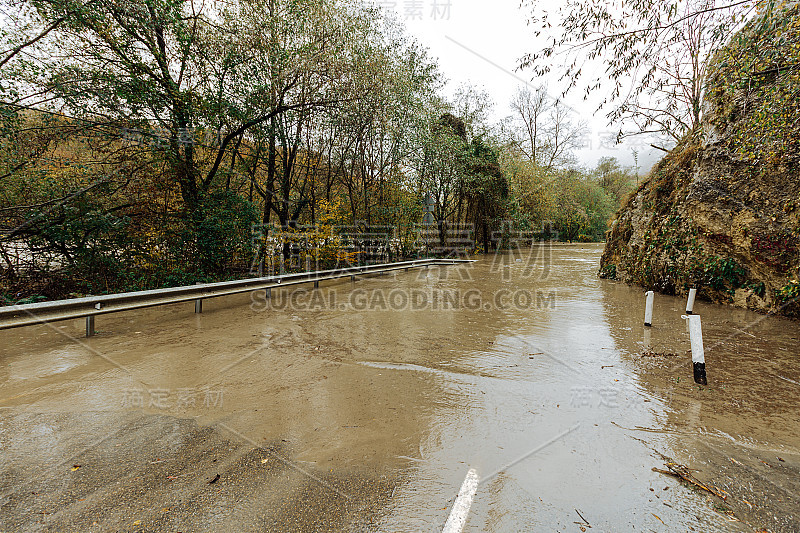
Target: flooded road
(362, 407)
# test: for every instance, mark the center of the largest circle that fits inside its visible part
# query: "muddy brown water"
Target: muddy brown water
(361, 407)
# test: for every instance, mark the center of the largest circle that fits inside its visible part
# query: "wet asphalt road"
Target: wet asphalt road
(362, 406)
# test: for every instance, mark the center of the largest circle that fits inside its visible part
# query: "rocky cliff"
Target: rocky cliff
(721, 211)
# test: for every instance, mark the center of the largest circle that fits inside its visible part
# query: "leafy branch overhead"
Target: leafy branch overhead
(643, 61)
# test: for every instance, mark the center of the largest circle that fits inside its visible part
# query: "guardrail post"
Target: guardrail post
(198, 304)
(90, 331)
(316, 284)
(268, 293)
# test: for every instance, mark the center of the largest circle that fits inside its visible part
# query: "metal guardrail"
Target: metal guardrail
(15, 316)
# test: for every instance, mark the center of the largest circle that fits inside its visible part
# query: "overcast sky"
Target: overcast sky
(480, 42)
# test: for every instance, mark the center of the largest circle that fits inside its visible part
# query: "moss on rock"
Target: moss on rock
(720, 211)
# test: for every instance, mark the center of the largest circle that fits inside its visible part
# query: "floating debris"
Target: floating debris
(683, 472)
(651, 353)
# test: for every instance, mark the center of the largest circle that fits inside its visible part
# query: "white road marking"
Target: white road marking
(458, 515)
(787, 379)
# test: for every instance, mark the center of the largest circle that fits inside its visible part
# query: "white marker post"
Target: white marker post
(690, 301)
(648, 309)
(698, 354)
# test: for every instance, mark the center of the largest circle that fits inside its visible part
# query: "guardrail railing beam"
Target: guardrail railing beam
(14, 316)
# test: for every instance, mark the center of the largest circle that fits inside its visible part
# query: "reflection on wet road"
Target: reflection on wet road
(362, 406)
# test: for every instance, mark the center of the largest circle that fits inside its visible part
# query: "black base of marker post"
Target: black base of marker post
(700, 373)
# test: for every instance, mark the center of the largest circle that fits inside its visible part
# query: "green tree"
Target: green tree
(615, 180)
